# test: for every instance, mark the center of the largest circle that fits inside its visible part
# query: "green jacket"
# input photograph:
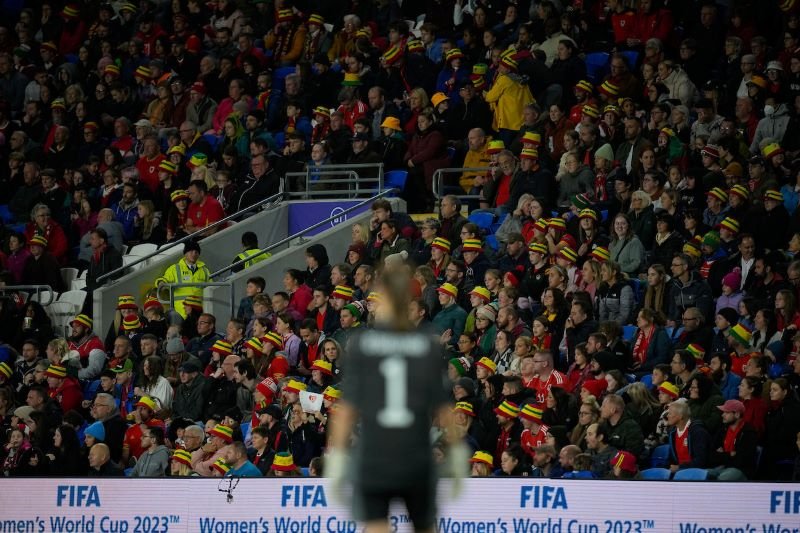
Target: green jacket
(452, 317)
(629, 254)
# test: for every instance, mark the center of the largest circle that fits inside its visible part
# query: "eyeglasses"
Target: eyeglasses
(689, 318)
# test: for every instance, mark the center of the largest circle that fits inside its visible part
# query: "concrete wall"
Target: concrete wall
(335, 239)
(218, 250)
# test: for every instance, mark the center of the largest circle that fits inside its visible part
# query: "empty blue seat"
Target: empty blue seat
(596, 66)
(656, 474)
(632, 57)
(491, 242)
(5, 214)
(604, 215)
(395, 179)
(660, 456)
(647, 379)
(451, 153)
(482, 220)
(691, 474)
(628, 333)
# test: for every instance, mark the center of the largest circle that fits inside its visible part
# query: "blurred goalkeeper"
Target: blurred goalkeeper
(396, 387)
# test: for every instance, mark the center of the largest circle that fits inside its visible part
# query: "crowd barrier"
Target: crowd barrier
(307, 505)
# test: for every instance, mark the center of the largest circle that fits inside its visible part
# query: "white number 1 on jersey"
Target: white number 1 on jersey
(396, 413)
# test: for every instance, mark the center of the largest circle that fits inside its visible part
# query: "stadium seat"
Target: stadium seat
(61, 314)
(656, 474)
(5, 214)
(660, 456)
(691, 474)
(482, 220)
(304, 470)
(491, 242)
(69, 275)
(76, 298)
(144, 249)
(632, 57)
(628, 333)
(647, 379)
(604, 215)
(596, 66)
(395, 179)
(44, 297)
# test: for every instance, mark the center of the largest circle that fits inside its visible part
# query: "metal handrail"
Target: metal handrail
(165, 247)
(437, 180)
(347, 168)
(173, 286)
(38, 288)
(303, 232)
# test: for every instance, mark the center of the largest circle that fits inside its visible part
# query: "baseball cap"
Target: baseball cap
(732, 406)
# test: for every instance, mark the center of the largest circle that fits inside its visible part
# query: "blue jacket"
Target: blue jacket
(659, 349)
(729, 386)
(699, 441)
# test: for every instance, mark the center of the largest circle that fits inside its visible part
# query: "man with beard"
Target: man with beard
(727, 381)
(90, 349)
(628, 152)
(145, 418)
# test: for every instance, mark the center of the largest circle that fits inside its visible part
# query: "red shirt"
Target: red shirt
(148, 171)
(133, 437)
(529, 441)
(86, 347)
(556, 379)
(682, 445)
(503, 191)
(358, 111)
(624, 25)
(205, 213)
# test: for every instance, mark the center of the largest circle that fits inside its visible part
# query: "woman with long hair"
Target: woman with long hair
(786, 313)
(704, 398)
(234, 135)
(765, 330)
(503, 355)
(425, 276)
(626, 248)
(655, 295)
(644, 407)
(332, 353)
(580, 370)
(555, 310)
(560, 409)
(152, 383)
(148, 228)
(651, 346)
(65, 457)
(590, 278)
(588, 414)
(755, 408)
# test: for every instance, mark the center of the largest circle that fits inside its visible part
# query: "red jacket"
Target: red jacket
(624, 26)
(300, 299)
(428, 149)
(656, 24)
(56, 239)
(68, 395)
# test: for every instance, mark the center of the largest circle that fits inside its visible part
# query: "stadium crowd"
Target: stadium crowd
(623, 292)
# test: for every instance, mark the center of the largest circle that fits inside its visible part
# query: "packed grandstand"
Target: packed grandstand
(602, 223)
